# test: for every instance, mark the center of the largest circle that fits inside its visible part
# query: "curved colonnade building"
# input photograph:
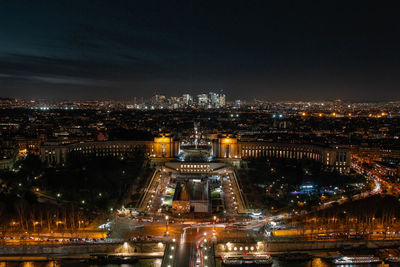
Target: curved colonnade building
(229, 147)
(225, 147)
(58, 154)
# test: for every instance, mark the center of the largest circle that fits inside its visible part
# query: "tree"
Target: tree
(21, 207)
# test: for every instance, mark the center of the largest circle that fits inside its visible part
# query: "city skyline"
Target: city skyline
(269, 51)
(199, 133)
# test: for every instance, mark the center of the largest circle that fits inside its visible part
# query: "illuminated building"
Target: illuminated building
(229, 147)
(214, 100)
(6, 163)
(28, 146)
(222, 100)
(238, 103)
(187, 99)
(202, 100)
(226, 147)
(163, 147)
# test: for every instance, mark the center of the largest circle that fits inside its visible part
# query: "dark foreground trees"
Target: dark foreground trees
(34, 198)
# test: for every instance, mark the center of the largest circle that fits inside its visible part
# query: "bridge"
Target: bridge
(194, 248)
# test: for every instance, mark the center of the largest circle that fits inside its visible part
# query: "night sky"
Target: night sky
(291, 50)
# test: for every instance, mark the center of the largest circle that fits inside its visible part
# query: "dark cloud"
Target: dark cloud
(272, 50)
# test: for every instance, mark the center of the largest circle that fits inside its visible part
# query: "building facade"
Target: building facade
(162, 147)
(224, 147)
(229, 147)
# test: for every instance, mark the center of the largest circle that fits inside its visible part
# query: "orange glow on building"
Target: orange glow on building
(22, 152)
(163, 139)
(228, 140)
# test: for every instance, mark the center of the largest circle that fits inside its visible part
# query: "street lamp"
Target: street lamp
(58, 223)
(166, 224)
(34, 225)
(215, 221)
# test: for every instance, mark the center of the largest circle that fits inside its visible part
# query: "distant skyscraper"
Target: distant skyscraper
(237, 103)
(222, 100)
(187, 99)
(158, 100)
(213, 100)
(202, 100)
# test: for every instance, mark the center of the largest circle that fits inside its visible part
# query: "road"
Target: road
(374, 175)
(185, 254)
(151, 201)
(194, 247)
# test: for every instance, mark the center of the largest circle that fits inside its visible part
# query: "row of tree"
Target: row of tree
(366, 214)
(44, 217)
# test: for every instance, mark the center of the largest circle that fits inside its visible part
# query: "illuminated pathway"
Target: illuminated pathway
(192, 250)
(184, 255)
